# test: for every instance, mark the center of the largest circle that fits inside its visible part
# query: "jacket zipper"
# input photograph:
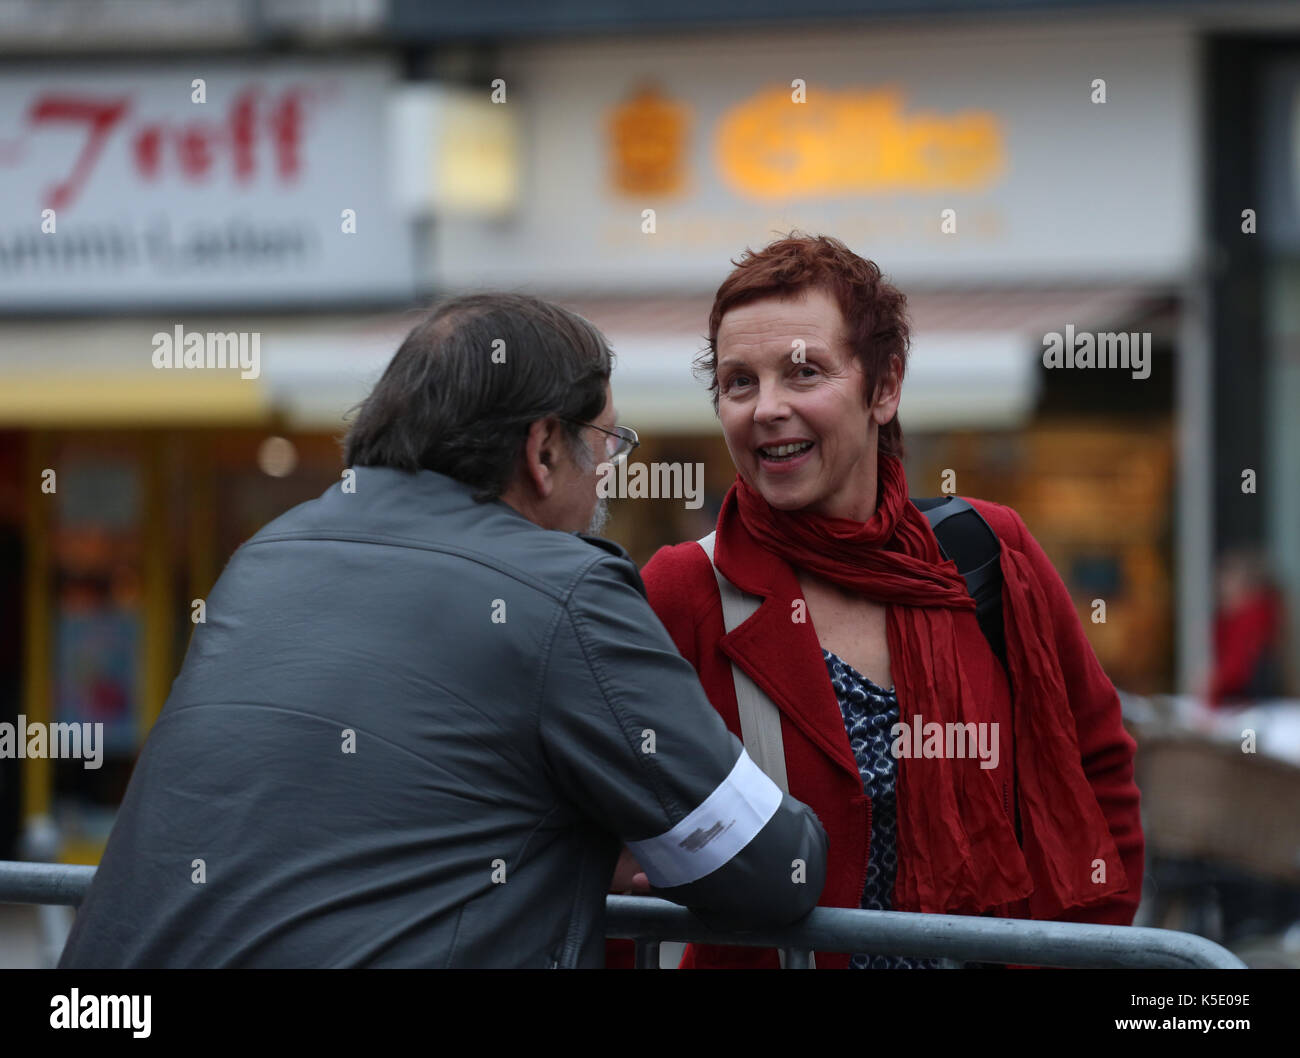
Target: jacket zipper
(569, 948)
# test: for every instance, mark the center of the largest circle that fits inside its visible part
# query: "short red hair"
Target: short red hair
(874, 310)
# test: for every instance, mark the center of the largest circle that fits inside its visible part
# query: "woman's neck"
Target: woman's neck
(856, 501)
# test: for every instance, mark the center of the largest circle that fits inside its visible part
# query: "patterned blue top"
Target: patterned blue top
(869, 713)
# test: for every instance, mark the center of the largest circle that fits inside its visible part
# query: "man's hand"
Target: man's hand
(628, 876)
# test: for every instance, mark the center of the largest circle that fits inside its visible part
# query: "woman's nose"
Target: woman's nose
(771, 404)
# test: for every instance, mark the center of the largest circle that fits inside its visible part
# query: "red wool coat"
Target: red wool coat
(784, 658)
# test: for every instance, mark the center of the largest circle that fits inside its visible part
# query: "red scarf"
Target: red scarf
(957, 852)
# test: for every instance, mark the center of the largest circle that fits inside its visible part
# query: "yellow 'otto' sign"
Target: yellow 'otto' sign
(853, 142)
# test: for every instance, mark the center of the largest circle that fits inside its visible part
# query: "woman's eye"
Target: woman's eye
(809, 368)
(736, 380)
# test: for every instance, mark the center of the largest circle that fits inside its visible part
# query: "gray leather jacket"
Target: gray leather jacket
(415, 730)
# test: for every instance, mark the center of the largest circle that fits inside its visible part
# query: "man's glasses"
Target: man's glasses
(619, 444)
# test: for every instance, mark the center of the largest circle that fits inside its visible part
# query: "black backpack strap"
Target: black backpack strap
(970, 542)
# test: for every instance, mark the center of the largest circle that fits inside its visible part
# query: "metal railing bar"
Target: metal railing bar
(650, 921)
(961, 937)
(44, 883)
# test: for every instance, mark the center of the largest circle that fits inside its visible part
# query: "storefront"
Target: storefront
(177, 269)
(125, 493)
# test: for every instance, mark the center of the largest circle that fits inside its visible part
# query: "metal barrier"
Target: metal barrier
(650, 921)
(962, 937)
(44, 883)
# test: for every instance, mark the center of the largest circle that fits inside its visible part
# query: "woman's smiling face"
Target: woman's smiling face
(793, 406)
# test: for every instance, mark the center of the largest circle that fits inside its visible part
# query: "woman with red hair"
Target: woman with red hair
(862, 628)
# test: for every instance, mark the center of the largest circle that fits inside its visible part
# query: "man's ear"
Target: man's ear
(540, 455)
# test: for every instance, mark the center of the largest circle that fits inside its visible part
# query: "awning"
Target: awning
(101, 372)
(973, 363)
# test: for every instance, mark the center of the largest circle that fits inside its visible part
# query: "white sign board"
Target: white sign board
(204, 184)
(949, 155)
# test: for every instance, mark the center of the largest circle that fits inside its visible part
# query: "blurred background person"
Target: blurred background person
(1248, 632)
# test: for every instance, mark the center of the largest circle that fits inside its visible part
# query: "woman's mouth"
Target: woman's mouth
(784, 456)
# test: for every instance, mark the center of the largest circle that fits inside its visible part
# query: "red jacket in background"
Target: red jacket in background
(1246, 647)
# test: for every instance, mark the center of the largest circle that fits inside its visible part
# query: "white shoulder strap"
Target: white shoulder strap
(760, 719)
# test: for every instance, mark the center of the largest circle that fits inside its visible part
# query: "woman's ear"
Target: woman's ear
(888, 393)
